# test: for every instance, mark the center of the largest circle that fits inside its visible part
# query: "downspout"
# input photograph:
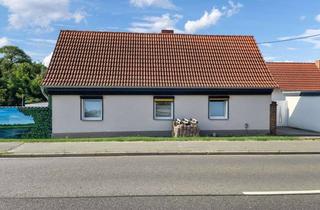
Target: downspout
(44, 92)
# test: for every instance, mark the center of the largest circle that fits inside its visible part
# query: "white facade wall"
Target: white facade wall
(128, 113)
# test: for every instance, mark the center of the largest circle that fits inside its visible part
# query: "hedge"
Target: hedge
(42, 122)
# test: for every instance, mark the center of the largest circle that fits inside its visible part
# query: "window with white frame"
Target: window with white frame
(218, 108)
(91, 108)
(163, 108)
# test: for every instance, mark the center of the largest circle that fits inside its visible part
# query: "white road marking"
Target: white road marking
(282, 192)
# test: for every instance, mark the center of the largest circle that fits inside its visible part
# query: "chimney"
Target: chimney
(166, 31)
(318, 63)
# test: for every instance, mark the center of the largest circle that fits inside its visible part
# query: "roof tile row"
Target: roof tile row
(296, 76)
(110, 59)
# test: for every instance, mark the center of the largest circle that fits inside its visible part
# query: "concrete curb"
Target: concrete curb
(11, 155)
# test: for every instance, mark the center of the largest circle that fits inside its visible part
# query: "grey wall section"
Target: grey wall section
(133, 114)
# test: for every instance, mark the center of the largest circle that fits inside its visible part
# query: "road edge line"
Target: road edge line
(297, 192)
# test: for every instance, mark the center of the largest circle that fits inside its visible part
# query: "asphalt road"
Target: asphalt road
(159, 182)
(293, 202)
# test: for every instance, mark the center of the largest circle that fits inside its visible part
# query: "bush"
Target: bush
(42, 122)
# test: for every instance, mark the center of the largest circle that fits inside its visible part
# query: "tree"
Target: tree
(20, 78)
(14, 54)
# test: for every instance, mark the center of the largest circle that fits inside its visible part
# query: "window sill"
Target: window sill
(92, 120)
(163, 119)
(218, 118)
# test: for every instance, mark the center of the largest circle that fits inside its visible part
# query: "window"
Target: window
(218, 108)
(163, 108)
(91, 108)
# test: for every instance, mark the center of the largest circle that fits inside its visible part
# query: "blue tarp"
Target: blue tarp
(12, 116)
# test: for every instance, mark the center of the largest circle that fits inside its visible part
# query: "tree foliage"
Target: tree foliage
(20, 78)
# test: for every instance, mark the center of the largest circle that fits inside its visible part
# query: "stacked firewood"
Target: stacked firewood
(185, 127)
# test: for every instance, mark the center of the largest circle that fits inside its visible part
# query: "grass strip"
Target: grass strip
(158, 139)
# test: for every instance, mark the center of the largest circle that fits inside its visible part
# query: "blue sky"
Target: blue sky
(34, 25)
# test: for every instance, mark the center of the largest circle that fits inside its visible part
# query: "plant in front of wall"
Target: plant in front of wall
(42, 122)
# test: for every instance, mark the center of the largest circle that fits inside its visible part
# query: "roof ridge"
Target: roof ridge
(154, 33)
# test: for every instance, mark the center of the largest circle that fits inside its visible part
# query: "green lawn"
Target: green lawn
(151, 139)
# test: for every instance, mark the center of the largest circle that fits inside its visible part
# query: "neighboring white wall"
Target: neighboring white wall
(304, 112)
(297, 111)
(135, 113)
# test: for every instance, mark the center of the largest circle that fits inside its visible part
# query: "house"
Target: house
(120, 84)
(298, 95)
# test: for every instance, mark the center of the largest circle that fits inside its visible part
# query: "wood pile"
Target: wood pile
(185, 128)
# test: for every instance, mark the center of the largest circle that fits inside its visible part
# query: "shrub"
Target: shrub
(42, 122)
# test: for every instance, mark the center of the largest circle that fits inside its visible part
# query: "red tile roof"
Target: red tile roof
(296, 76)
(118, 59)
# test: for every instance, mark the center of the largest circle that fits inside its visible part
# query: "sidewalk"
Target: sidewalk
(157, 148)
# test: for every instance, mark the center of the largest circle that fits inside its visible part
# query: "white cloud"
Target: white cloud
(266, 45)
(210, 19)
(44, 41)
(39, 14)
(156, 23)
(167, 21)
(318, 18)
(233, 8)
(313, 40)
(79, 16)
(275, 59)
(166, 4)
(4, 41)
(269, 58)
(47, 59)
(309, 32)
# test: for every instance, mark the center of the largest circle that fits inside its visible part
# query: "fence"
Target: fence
(40, 128)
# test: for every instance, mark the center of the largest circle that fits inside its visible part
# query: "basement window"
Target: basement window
(92, 108)
(219, 108)
(163, 108)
